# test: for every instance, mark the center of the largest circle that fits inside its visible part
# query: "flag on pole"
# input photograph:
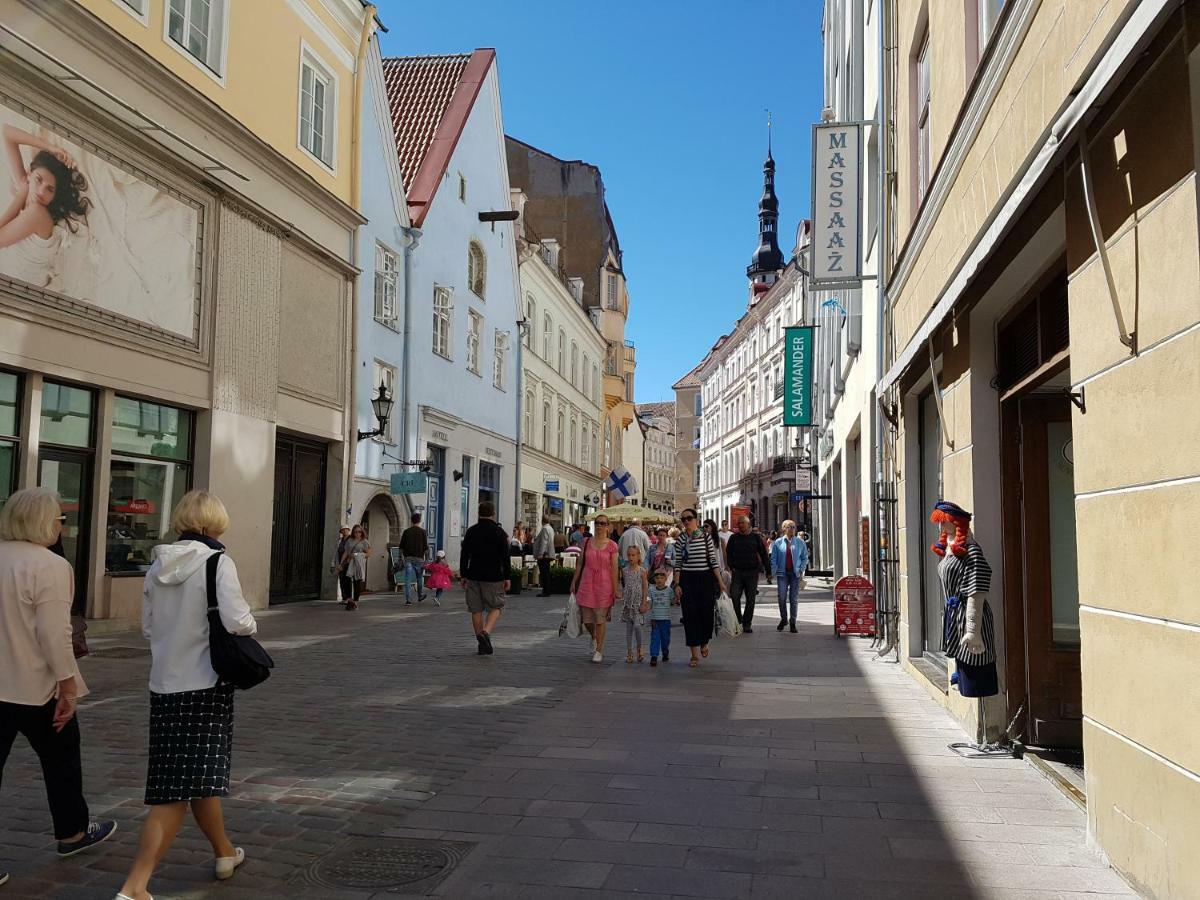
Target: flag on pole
(621, 481)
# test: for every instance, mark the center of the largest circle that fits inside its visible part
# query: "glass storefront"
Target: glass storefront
(10, 424)
(150, 471)
(489, 484)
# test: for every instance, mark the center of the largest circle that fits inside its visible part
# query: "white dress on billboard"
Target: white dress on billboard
(33, 259)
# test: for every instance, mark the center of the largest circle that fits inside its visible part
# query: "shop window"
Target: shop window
(66, 415)
(465, 512)
(489, 485)
(10, 423)
(151, 470)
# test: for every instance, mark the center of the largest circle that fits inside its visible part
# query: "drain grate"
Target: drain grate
(387, 864)
(120, 652)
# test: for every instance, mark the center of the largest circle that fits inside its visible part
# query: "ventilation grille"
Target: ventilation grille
(1034, 335)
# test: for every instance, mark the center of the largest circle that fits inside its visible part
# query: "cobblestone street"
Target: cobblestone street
(384, 751)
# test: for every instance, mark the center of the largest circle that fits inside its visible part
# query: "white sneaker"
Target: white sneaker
(597, 656)
(227, 864)
(119, 896)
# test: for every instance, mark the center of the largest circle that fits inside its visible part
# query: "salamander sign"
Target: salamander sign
(797, 375)
(837, 203)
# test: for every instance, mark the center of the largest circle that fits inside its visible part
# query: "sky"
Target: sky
(669, 99)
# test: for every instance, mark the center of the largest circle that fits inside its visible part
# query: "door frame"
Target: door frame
(292, 444)
(82, 564)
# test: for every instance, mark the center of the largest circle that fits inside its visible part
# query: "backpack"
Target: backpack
(238, 659)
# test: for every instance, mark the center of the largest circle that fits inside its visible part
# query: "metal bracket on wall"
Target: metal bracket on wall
(937, 396)
(1077, 397)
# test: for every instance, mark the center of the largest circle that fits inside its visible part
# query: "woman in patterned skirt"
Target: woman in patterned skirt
(191, 711)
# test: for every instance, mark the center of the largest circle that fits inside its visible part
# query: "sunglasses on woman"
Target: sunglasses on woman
(689, 518)
(600, 524)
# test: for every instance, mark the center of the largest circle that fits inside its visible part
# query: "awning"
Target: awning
(1138, 30)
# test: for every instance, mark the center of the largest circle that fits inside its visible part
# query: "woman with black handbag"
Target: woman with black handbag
(191, 707)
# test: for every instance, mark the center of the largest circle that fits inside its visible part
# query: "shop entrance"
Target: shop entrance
(298, 529)
(70, 473)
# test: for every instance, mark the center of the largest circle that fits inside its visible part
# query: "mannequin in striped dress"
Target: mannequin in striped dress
(968, 632)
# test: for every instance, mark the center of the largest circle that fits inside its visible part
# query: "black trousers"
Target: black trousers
(358, 589)
(544, 574)
(699, 603)
(347, 585)
(744, 581)
(58, 751)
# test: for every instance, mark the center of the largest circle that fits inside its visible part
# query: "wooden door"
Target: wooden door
(297, 537)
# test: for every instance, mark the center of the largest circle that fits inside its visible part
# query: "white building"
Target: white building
(845, 367)
(457, 408)
(562, 395)
(657, 467)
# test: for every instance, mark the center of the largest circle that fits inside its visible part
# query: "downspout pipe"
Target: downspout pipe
(412, 241)
(883, 597)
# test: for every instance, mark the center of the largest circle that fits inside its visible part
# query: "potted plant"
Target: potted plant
(514, 580)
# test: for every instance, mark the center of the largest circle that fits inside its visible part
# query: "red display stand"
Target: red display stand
(854, 606)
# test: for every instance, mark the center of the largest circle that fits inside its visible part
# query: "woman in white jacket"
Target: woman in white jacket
(191, 711)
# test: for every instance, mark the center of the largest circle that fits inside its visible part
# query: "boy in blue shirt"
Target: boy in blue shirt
(661, 598)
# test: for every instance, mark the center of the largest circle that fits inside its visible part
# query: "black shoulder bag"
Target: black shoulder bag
(238, 659)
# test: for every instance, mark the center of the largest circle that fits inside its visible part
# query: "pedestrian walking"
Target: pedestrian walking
(543, 552)
(714, 533)
(354, 558)
(662, 598)
(340, 569)
(697, 566)
(40, 684)
(483, 562)
(634, 536)
(745, 557)
(191, 709)
(635, 603)
(662, 554)
(597, 585)
(789, 559)
(414, 547)
(576, 534)
(440, 576)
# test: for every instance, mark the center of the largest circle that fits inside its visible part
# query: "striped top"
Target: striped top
(963, 577)
(695, 553)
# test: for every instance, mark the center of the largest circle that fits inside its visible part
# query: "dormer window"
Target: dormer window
(476, 269)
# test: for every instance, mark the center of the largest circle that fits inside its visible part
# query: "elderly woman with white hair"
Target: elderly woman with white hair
(40, 683)
(191, 709)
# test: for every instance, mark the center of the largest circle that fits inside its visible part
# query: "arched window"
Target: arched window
(562, 352)
(595, 382)
(529, 417)
(586, 444)
(547, 336)
(546, 425)
(530, 320)
(608, 443)
(574, 365)
(476, 269)
(561, 434)
(587, 376)
(574, 458)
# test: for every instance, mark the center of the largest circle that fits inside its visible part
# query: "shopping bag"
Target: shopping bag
(727, 623)
(571, 625)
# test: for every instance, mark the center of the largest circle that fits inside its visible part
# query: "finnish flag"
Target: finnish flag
(620, 481)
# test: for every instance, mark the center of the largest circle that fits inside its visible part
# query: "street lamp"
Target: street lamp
(381, 405)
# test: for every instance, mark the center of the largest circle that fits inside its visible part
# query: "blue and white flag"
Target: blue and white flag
(620, 481)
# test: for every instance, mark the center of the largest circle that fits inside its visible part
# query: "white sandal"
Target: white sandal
(227, 864)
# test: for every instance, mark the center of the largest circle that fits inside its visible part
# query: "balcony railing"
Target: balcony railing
(785, 463)
(778, 390)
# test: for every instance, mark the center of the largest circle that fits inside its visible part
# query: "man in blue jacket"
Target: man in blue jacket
(789, 559)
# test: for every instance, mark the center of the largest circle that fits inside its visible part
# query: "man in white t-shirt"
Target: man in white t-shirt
(634, 537)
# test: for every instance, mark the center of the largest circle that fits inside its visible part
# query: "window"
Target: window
(562, 429)
(387, 267)
(66, 415)
(574, 458)
(318, 108)
(628, 388)
(546, 425)
(608, 443)
(988, 13)
(595, 382)
(10, 422)
(530, 322)
(474, 328)
(197, 27)
(924, 163)
(476, 269)
(443, 308)
(499, 359)
(150, 471)
(465, 489)
(462, 197)
(562, 352)
(612, 293)
(698, 405)
(383, 374)
(587, 376)
(547, 336)
(696, 478)
(489, 484)
(574, 365)
(586, 444)
(136, 8)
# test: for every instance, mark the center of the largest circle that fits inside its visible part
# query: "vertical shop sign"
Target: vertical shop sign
(797, 375)
(837, 204)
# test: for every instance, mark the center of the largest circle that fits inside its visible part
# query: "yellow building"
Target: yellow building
(1042, 369)
(188, 321)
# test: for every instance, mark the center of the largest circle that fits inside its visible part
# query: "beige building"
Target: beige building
(687, 439)
(656, 468)
(187, 322)
(1042, 364)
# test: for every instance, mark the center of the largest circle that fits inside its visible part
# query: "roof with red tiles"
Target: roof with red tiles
(430, 98)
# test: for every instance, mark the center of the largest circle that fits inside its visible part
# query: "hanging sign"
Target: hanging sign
(837, 204)
(408, 482)
(797, 375)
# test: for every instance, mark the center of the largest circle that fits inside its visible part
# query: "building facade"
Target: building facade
(562, 402)
(187, 321)
(564, 202)
(658, 457)
(457, 405)
(687, 440)
(1042, 363)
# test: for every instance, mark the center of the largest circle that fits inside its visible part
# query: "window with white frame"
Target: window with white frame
(574, 365)
(529, 417)
(547, 336)
(387, 267)
(443, 309)
(530, 322)
(499, 359)
(318, 108)
(608, 443)
(574, 458)
(586, 444)
(988, 13)
(612, 292)
(546, 425)
(136, 8)
(474, 331)
(562, 352)
(923, 150)
(587, 376)
(595, 382)
(385, 375)
(198, 28)
(476, 269)
(561, 435)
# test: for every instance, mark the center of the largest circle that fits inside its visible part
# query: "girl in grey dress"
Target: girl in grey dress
(635, 603)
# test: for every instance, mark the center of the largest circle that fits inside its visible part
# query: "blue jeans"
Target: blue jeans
(789, 593)
(414, 569)
(660, 637)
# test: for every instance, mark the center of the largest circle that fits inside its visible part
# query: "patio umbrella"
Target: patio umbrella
(627, 512)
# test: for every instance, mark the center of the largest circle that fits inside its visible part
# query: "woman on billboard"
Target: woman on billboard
(48, 193)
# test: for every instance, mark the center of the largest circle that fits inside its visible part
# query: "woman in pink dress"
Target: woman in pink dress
(597, 585)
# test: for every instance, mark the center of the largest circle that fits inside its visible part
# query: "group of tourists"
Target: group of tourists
(191, 709)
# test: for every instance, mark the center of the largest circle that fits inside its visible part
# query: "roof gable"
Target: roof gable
(430, 98)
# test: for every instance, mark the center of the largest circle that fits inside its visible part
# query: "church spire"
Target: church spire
(767, 260)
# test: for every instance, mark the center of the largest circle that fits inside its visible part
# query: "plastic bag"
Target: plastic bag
(727, 623)
(571, 625)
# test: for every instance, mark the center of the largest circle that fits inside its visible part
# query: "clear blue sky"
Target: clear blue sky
(667, 97)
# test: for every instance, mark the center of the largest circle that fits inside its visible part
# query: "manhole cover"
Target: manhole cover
(383, 864)
(120, 652)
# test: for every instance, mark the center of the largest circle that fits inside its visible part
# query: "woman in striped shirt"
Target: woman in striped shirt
(696, 567)
(968, 632)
